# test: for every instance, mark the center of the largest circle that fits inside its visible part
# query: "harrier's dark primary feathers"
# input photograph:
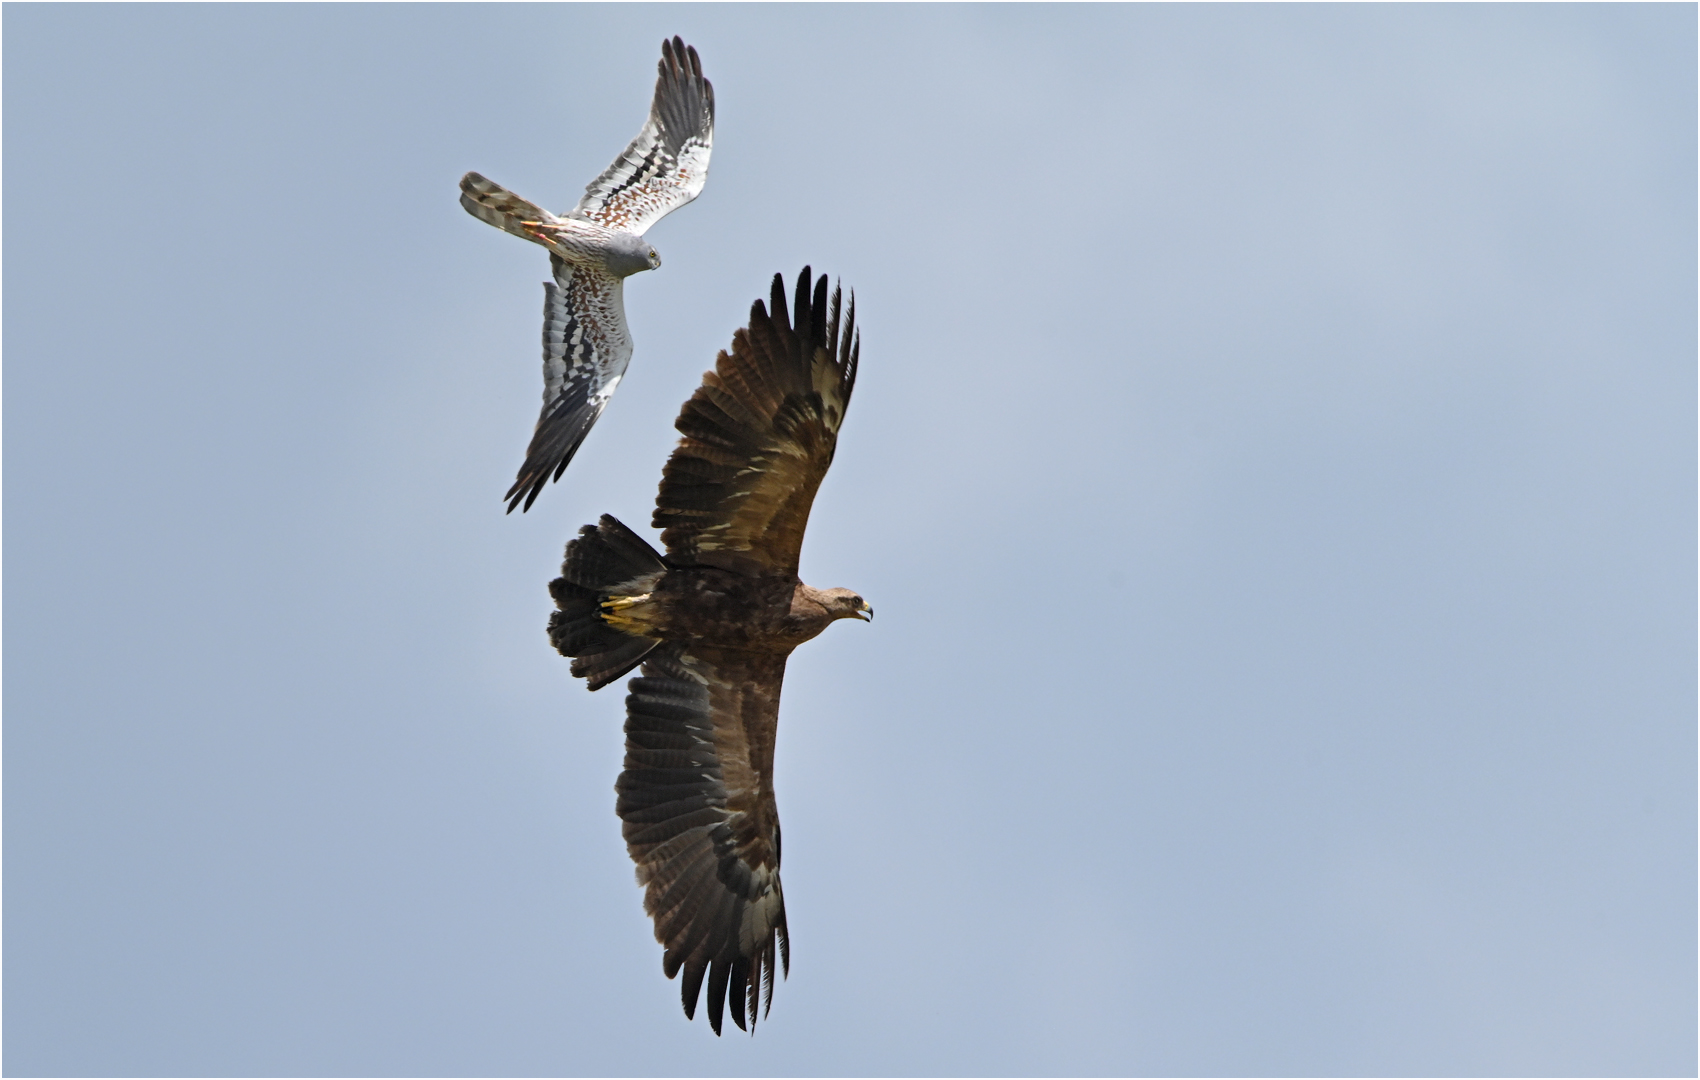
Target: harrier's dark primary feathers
(712, 622)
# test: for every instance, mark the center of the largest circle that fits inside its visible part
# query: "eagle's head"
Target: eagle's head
(630, 254)
(844, 604)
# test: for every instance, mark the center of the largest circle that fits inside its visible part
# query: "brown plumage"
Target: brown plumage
(712, 623)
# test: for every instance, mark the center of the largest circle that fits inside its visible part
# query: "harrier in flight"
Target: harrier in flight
(712, 622)
(592, 250)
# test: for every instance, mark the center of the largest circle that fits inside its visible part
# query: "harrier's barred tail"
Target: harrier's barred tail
(494, 204)
(605, 563)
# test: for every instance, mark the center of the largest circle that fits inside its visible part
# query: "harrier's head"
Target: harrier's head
(630, 254)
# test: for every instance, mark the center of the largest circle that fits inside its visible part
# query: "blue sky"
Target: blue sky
(1273, 467)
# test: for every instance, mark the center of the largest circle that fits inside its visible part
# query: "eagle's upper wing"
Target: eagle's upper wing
(696, 803)
(586, 348)
(759, 434)
(665, 166)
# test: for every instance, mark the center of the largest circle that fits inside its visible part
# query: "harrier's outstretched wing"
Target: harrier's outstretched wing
(696, 802)
(586, 348)
(666, 165)
(759, 434)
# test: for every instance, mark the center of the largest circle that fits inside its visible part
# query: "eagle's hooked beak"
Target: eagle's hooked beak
(865, 612)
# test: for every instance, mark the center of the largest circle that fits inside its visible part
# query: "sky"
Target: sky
(1273, 466)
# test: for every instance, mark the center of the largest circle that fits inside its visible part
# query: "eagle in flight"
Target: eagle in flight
(592, 250)
(712, 622)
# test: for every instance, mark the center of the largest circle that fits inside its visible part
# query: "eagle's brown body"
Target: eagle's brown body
(712, 622)
(768, 614)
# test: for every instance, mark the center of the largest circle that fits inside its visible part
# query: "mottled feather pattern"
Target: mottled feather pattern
(666, 166)
(760, 433)
(585, 352)
(696, 802)
(564, 345)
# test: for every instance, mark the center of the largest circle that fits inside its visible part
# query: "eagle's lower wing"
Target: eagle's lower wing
(759, 435)
(666, 165)
(586, 348)
(696, 803)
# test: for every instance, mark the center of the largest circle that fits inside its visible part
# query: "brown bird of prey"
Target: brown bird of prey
(712, 622)
(592, 250)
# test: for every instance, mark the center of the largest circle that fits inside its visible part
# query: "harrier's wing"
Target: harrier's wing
(586, 348)
(696, 800)
(759, 434)
(666, 165)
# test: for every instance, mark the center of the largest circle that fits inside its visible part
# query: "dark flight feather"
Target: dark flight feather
(759, 436)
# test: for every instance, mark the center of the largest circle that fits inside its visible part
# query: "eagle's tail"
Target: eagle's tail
(608, 573)
(494, 204)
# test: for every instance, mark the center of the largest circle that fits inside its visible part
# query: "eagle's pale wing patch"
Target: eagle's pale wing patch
(697, 810)
(585, 352)
(666, 166)
(759, 435)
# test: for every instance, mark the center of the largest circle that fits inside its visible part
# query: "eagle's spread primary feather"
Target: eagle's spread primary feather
(712, 622)
(586, 345)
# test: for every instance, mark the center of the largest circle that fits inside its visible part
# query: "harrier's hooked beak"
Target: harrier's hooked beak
(865, 612)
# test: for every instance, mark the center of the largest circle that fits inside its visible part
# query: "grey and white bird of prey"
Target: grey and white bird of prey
(592, 250)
